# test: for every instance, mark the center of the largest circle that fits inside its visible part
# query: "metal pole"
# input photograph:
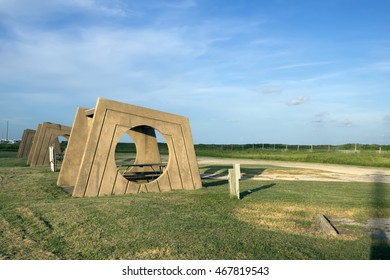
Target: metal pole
(7, 133)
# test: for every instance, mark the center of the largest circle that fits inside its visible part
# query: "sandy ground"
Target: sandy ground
(305, 171)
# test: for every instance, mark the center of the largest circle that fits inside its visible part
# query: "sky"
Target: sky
(255, 71)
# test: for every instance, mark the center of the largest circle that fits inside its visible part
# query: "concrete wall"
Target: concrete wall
(26, 143)
(75, 148)
(47, 134)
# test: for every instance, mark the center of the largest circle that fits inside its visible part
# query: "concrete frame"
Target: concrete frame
(46, 135)
(89, 163)
(26, 143)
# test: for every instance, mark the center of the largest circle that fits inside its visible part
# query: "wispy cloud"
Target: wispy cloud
(201, 59)
(307, 64)
(38, 9)
(181, 4)
(42, 56)
(321, 117)
(382, 66)
(346, 123)
(298, 100)
(269, 90)
(386, 119)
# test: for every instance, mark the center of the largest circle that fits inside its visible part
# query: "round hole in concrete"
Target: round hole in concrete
(141, 154)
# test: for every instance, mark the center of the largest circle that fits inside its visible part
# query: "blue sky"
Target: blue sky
(275, 71)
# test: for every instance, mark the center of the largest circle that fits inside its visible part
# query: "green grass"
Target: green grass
(274, 221)
(9, 147)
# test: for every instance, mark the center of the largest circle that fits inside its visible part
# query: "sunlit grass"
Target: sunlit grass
(273, 220)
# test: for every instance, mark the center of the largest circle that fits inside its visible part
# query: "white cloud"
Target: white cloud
(208, 67)
(42, 56)
(298, 100)
(18, 9)
(321, 117)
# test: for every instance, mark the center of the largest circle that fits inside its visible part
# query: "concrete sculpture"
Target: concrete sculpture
(89, 163)
(46, 135)
(26, 143)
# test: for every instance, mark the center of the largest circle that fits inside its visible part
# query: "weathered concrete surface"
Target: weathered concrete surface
(75, 148)
(46, 135)
(234, 183)
(326, 226)
(98, 174)
(34, 144)
(147, 147)
(26, 143)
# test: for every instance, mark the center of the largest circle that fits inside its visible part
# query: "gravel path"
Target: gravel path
(308, 171)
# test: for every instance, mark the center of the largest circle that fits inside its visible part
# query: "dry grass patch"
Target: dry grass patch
(154, 254)
(293, 218)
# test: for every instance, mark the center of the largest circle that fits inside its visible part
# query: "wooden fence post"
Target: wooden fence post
(52, 159)
(237, 169)
(234, 184)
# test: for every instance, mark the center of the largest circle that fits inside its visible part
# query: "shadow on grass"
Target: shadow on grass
(248, 192)
(214, 183)
(380, 249)
(222, 170)
(216, 169)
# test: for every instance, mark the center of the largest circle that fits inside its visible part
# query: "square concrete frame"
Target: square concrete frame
(26, 143)
(89, 164)
(46, 135)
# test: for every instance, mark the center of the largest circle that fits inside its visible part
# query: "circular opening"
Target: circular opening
(141, 154)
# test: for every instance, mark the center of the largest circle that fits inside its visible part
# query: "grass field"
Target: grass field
(275, 220)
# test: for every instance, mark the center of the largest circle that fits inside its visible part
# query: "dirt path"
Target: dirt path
(307, 171)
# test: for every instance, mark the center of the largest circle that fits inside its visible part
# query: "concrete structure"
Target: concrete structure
(46, 135)
(26, 143)
(326, 226)
(89, 164)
